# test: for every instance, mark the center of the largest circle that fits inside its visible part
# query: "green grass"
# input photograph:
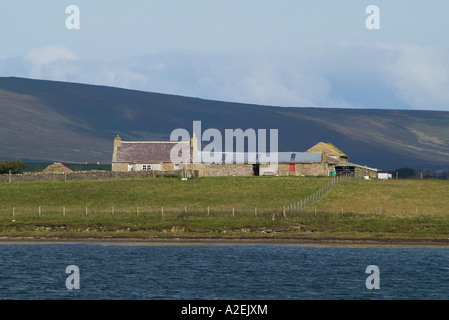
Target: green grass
(305, 226)
(393, 197)
(219, 193)
(138, 209)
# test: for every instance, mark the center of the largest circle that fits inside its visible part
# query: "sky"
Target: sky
(288, 53)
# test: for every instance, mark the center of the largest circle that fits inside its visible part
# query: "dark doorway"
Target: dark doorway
(344, 170)
(256, 169)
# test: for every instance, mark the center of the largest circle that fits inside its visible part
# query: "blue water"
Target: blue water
(208, 272)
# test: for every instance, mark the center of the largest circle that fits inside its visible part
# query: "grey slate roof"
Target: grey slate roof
(299, 156)
(155, 152)
(256, 157)
(147, 152)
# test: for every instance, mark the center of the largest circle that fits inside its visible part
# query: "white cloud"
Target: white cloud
(49, 54)
(114, 75)
(337, 75)
(420, 76)
(45, 60)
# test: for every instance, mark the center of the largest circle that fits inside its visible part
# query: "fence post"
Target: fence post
(13, 211)
(207, 210)
(255, 211)
(63, 210)
(86, 210)
(39, 210)
(112, 210)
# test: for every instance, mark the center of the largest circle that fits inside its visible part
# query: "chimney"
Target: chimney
(194, 146)
(117, 144)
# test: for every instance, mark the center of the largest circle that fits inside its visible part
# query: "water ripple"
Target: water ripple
(276, 272)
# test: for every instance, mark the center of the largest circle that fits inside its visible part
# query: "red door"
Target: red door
(291, 167)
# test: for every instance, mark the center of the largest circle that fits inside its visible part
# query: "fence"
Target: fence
(164, 211)
(303, 203)
(127, 211)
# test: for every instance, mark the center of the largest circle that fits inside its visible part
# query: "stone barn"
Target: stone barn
(338, 162)
(323, 159)
(144, 155)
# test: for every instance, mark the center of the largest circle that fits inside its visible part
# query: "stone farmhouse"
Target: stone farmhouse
(323, 159)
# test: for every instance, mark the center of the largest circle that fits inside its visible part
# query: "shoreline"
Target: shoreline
(386, 242)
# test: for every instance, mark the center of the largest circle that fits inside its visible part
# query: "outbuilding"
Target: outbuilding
(323, 159)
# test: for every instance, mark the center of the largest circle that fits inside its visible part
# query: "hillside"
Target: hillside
(57, 121)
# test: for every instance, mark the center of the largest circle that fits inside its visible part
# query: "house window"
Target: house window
(146, 167)
(176, 166)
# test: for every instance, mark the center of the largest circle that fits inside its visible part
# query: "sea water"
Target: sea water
(155, 271)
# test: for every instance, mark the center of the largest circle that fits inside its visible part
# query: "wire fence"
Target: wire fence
(307, 201)
(138, 211)
(162, 211)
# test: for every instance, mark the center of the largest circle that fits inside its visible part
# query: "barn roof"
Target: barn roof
(251, 157)
(327, 148)
(147, 151)
(57, 167)
(300, 156)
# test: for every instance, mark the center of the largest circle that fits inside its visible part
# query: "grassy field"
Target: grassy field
(404, 198)
(219, 193)
(227, 208)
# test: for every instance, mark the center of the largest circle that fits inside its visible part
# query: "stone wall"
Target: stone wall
(119, 167)
(84, 175)
(223, 169)
(361, 171)
(282, 169)
(307, 169)
(123, 167)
